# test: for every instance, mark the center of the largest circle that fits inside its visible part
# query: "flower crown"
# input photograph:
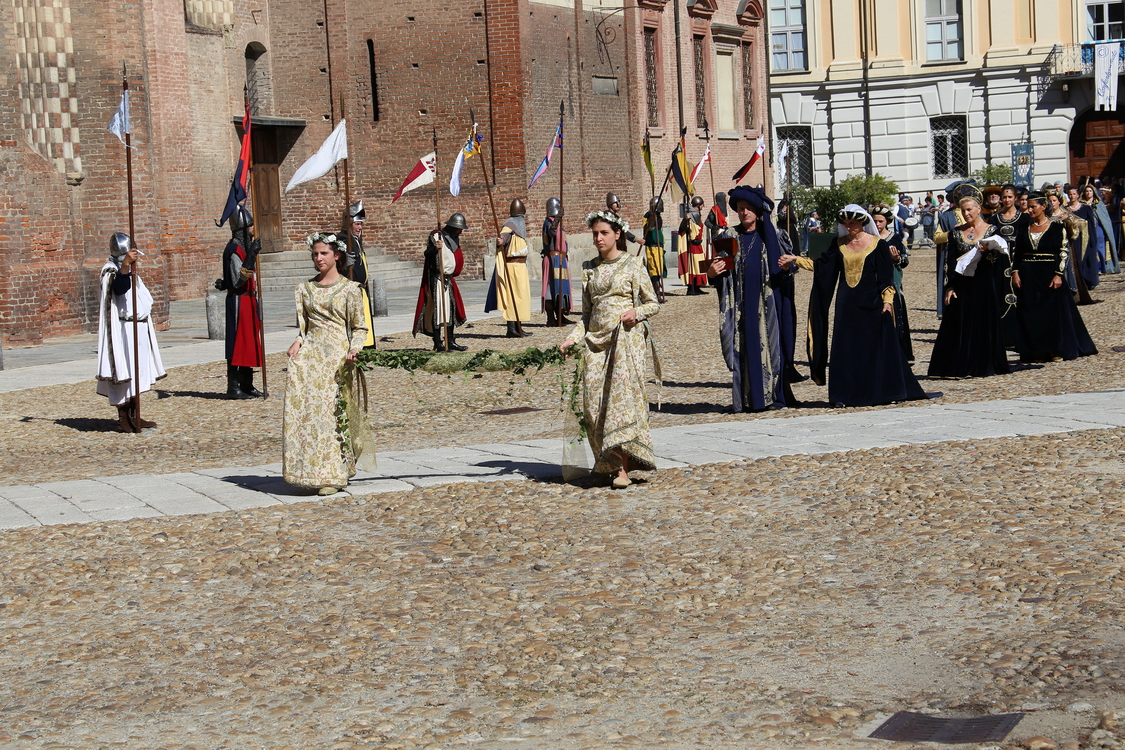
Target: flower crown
(328, 239)
(606, 216)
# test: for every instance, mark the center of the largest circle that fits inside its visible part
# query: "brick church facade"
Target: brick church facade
(396, 71)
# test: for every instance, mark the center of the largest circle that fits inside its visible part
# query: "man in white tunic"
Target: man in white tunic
(117, 375)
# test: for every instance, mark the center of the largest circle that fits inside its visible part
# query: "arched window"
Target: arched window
(257, 78)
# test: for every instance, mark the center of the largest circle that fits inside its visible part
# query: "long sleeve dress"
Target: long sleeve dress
(970, 340)
(866, 364)
(1050, 325)
(326, 433)
(614, 402)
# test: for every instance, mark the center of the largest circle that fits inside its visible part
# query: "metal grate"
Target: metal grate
(800, 153)
(906, 726)
(748, 85)
(700, 81)
(950, 146)
(651, 96)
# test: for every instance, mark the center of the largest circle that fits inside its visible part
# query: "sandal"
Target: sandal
(620, 483)
(325, 491)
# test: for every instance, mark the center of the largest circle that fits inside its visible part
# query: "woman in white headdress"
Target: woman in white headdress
(866, 365)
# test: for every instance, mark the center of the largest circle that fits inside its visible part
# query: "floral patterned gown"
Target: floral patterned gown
(326, 433)
(614, 402)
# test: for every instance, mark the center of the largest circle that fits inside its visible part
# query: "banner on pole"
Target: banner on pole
(1106, 58)
(1023, 163)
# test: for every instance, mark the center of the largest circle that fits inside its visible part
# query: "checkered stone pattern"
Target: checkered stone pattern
(211, 14)
(48, 97)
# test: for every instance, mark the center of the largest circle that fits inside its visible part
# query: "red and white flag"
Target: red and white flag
(422, 174)
(761, 149)
(699, 167)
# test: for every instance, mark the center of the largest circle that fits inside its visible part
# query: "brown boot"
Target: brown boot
(141, 423)
(125, 420)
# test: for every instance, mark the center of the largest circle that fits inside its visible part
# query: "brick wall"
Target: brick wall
(512, 62)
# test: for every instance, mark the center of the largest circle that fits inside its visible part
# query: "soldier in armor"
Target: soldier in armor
(654, 246)
(510, 290)
(613, 203)
(356, 260)
(116, 369)
(691, 248)
(716, 221)
(243, 345)
(440, 308)
(556, 268)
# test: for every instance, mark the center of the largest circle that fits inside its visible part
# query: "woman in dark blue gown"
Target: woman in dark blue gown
(866, 365)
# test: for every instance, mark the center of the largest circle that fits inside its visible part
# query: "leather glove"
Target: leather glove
(252, 255)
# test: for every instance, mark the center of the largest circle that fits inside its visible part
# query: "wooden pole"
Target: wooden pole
(260, 323)
(136, 278)
(347, 202)
(558, 226)
(496, 226)
(711, 169)
(441, 239)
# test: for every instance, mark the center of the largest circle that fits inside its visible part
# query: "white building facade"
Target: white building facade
(927, 91)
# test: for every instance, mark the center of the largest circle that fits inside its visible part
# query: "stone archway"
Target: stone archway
(1097, 145)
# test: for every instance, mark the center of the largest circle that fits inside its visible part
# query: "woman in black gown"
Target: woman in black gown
(867, 364)
(1051, 327)
(969, 342)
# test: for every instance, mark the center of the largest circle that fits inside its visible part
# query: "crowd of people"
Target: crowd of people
(1013, 266)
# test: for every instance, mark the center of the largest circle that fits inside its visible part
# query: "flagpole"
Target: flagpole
(135, 280)
(559, 226)
(440, 244)
(261, 323)
(711, 169)
(496, 226)
(347, 204)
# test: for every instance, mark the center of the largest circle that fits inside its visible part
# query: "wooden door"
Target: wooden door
(267, 190)
(1097, 146)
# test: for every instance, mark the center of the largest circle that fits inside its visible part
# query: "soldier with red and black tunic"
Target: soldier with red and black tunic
(244, 348)
(439, 308)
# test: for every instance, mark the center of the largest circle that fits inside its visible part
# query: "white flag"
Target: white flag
(334, 149)
(119, 125)
(1106, 58)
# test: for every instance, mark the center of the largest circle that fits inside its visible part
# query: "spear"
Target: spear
(711, 169)
(440, 244)
(496, 226)
(136, 279)
(261, 323)
(558, 226)
(347, 202)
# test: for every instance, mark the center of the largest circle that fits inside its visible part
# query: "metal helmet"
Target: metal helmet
(356, 212)
(697, 201)
(554, 207)
(721, 202)
(241, 219)
(656, 204)
(118, 246)
(517, 208)
(610, 199)
(457, 221)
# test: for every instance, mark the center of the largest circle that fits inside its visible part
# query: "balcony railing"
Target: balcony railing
(1072, 61)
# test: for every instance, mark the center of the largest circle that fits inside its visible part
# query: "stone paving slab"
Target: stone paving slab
(238, 488)
(229, 495)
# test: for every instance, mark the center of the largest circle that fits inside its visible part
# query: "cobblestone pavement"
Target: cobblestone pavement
(785, 601)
